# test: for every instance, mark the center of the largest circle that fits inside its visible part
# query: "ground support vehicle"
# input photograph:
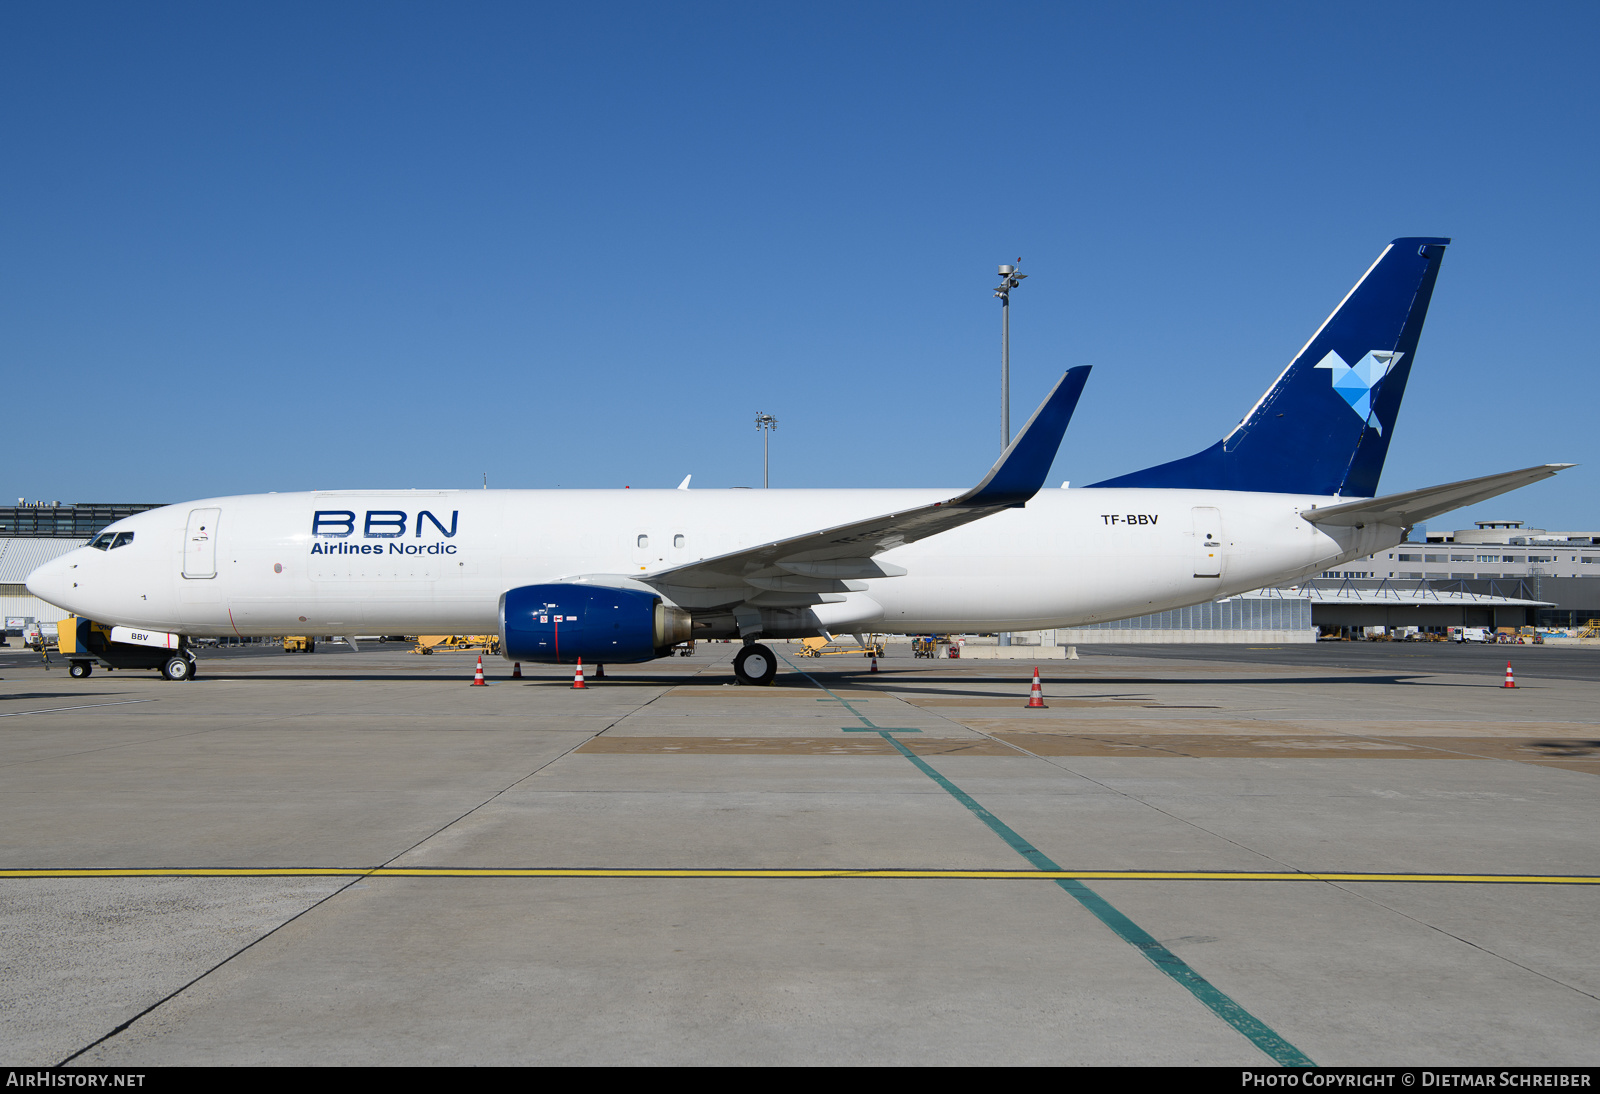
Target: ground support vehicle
(86, 643)
(427, 643)
(823, 647)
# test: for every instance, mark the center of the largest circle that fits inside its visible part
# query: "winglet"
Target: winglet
(1022, 467)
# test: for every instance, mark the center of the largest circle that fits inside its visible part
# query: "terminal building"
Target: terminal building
(1494, 550)
(1497, 557)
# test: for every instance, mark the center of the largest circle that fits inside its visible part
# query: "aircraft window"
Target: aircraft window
(677, 540)
(101, 542)
(644, 541)
(123, 538)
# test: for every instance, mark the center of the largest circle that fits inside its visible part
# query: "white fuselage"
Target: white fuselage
(1069, 557)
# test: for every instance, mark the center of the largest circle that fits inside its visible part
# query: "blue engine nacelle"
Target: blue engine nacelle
(557, 624)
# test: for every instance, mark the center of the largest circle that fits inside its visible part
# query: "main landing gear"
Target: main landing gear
(178, 667)
(755, 664)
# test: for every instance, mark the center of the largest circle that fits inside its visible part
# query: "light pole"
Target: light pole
(1009, 279)
(766, 423)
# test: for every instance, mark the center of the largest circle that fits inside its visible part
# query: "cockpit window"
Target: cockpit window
(122, 540)
(102, 541)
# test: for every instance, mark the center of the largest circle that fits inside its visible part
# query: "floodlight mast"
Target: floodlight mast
(766, 423)
(1009, 279)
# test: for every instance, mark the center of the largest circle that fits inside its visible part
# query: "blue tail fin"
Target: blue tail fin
(1325, 426)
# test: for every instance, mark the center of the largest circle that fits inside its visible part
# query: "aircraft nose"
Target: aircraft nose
(50, 582)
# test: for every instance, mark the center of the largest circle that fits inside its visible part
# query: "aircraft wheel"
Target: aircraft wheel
(755, 665)
(80, 669)
(177, 668)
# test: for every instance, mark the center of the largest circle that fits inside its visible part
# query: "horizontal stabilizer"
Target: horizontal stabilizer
(1414, 506)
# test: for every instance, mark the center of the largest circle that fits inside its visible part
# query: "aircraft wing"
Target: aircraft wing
(826, 560)
(1415, 506)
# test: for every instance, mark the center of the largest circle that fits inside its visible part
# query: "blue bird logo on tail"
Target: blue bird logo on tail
(1358, 382)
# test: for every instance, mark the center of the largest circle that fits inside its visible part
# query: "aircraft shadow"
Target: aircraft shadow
(1131, 681)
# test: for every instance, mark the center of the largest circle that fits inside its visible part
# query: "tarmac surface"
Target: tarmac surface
(1346, 854)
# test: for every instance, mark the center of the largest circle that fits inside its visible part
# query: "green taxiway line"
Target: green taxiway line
(1214, 998)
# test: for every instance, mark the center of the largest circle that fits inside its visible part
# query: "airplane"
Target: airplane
(622, 576)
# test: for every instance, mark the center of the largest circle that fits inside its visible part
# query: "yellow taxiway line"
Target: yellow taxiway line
(893, 875)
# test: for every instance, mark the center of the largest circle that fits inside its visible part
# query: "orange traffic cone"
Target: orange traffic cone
(477, 677)
(516, 670)
(599, 672)
(1510, 680)
(1036, 696)
(874, 662)
(577, 675)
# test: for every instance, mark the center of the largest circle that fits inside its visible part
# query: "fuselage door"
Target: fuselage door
(200, 543)
(1207, 541)
(648, 554)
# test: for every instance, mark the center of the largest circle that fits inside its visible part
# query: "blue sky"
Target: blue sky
(289, 246)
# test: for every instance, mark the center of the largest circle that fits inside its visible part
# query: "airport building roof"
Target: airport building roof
(1410, 592)
(20, 556)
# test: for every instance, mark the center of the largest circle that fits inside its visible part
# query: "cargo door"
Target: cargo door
(200, 543)
(1207, 541)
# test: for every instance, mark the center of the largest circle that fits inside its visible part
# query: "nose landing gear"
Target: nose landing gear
(755, 665)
